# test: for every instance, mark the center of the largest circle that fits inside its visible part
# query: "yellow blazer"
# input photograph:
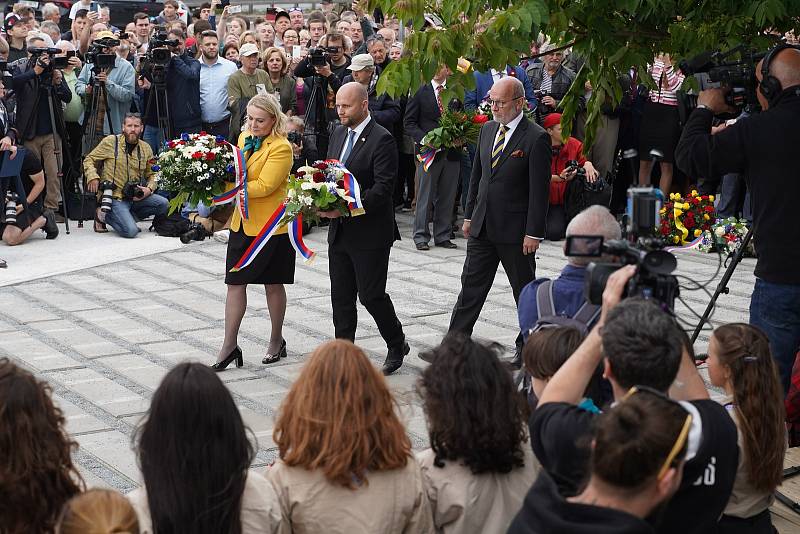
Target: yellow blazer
(267, 180)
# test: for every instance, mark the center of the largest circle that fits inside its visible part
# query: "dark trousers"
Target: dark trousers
(362, 273)
(72, 144)
(480, 267)
(404, 184)
(222, 128)
(758, 524)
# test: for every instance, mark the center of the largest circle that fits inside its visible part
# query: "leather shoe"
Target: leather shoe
(50, 226)
(394, 358)
(447, 244)
(423, 246)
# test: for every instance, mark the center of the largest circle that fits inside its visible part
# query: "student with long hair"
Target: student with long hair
(345, 460)
(37, 475)
(98, 511)
(637, 461)
(739, 360)
(479, 465)
(194, 454)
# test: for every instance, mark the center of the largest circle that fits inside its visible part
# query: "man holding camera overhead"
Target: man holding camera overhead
(117, 79)
(40, 89)
(127, 182)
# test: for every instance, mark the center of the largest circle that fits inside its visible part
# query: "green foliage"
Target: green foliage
(456, 128)
(611, 35)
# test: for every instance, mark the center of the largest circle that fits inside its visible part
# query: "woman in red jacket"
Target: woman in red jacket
(564, 151)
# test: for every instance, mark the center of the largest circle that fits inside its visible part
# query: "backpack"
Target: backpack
(172, 225)
(586, 315)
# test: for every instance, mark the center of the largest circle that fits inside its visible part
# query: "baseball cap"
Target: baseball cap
(12, 20)
(361, 61)
(248, 49)
(105, 34)
(281, 14)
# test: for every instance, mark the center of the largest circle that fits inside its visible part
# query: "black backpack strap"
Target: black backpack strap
(544, 299)
(587, 314)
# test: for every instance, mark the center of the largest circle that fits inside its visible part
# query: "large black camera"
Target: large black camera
(131, 191)
(37, 51)
(320, 55)
(98, 54)
(196, 232)
(295, 137)
(573, 165)
(653, 279)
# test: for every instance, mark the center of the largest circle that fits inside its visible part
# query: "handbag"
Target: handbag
(581, 194)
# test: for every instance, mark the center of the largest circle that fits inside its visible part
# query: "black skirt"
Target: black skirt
(273, 265)
(660, 129)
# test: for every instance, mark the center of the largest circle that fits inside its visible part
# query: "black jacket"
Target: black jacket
(333, 82)
(373, 161)
(183, 93)
(511, 200)
(762, 148)
(562, 80)
(383, 108)
(422, 113)
(32, 109)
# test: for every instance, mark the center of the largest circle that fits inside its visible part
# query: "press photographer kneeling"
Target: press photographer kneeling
(18, 223)
(128, 182)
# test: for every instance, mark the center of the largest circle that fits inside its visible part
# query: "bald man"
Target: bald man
(762, 148)
(358, 247)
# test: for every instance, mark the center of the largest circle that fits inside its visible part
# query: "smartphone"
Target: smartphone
(94, 6)
(234, 9)
(297, 51)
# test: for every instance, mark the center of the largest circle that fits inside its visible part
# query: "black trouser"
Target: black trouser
(72, 145)
(758, 524)
(480, 267)
(404, 185)
(363, 273)
(222, 128)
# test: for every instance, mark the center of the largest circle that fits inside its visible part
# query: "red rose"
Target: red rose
(318, 177)
(709, 209)
(210, 156)
(197, 155)
(300, 174)
(171, 144)
(321, 166)
(689, 223)
(695, 201)
(203, 133)
(340, 184)
(706, 226)
(480, 119)
(665, 230)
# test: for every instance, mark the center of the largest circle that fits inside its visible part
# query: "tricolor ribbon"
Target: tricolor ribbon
(426, 157)
(688, 246)
(239, 191)
(353, 190)
(295, 227)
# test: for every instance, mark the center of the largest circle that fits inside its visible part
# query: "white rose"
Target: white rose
(719, 231)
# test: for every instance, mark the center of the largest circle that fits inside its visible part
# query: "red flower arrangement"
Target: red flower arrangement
(684, 219)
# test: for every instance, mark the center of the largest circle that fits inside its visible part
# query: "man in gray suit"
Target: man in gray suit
(507, 204)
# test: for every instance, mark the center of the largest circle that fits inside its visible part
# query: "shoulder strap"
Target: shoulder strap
(587, 313)
(544, 299)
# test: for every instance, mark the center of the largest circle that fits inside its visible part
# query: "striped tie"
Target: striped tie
(498, 145)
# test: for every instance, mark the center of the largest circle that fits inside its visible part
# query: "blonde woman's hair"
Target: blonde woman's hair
(98, 511)
(284, 60)
(244, 36)
(270, 104)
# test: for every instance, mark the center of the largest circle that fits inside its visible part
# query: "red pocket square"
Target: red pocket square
(518, 154)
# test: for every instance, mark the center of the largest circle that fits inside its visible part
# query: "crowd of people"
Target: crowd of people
(621, 433)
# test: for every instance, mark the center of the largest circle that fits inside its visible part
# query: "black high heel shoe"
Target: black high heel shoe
(272, 358)
(236, 354)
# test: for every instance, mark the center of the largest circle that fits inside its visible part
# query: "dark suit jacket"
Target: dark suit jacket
(511, 200)
(373, 162)
(422, 113)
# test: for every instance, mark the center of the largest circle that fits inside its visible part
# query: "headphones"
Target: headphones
(770, 85)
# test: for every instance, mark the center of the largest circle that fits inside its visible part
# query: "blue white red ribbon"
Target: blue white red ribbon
(295, 227)
(239, 191)
(353, 190)
(695, 243)
(427, 156)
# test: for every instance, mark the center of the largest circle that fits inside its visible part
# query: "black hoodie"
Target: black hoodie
(544, 511)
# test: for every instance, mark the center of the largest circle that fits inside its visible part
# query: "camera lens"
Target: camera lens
(11, 208)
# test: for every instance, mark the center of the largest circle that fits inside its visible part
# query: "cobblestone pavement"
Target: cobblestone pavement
(105, 336)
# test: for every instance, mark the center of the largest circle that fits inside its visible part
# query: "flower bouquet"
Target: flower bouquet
(726, 236)
(324, 186)
(455, 130)
(195, 167)
(685, 219)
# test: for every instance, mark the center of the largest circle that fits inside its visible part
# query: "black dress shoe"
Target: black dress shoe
(447, 244)
(273, 358)
(423, 246)
(394, 358)
(236, 354)
(50, 225)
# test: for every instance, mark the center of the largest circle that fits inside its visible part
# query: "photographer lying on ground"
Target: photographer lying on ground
(127, 184)
(639, 345)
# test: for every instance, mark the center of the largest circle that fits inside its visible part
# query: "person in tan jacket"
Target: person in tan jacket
(345, 461)
(479, 467)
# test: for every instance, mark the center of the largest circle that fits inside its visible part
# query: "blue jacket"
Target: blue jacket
(183, 93)
(567, 297)
(484, 82)
(120, 86)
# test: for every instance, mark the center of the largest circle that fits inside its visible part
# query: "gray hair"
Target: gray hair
(50, 9)
(597, 221)
(548, 48)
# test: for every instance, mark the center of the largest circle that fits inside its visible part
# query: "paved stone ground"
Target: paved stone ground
(105, 336)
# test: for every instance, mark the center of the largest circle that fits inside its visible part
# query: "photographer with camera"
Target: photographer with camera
(568, 163)
(18, 223)
(116, 79)
(551, 80)
(128, 181)
(762, 148)
(40, 90)
(640, 345)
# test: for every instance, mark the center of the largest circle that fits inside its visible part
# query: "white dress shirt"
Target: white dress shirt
(359, 130)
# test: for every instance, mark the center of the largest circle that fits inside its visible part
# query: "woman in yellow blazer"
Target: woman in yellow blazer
(269, 160)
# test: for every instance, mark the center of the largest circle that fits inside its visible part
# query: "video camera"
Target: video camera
(99, 59)
(653, 279)
(37, 51)
(737, 77)
(158, 56)
(320, 55)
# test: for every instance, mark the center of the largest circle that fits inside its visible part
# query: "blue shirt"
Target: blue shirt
(567, 297)
(214, 89)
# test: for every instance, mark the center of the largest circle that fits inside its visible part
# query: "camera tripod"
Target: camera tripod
(58, 136)
(315, 135)
(158, 95)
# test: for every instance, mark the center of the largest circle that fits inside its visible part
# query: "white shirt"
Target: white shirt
(510, 127)
(78, 5)
(497, 75)
(214, 89)
(358, 130)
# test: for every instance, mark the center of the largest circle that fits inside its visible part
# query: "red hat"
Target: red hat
(551, 120)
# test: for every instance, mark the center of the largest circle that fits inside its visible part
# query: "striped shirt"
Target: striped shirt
(668, 81)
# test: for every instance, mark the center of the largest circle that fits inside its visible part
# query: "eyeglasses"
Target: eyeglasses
(501, 103)
(683, 435)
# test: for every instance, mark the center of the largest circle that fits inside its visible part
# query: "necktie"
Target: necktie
(439, 90)
(498, 145)
(252, 143)
(349, 146)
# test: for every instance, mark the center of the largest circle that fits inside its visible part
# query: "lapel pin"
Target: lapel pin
(363, 140)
